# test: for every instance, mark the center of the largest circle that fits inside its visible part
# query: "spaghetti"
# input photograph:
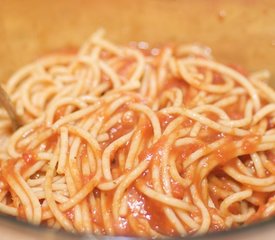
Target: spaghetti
(116, 138)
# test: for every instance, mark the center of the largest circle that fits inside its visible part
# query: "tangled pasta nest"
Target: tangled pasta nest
(116, 138)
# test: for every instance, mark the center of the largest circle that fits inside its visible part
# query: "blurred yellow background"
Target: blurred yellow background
(241, 32)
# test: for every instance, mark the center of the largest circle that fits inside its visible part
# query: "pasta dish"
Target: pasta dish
(138, 141)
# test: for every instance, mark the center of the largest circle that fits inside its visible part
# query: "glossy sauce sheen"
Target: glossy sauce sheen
(138, 204)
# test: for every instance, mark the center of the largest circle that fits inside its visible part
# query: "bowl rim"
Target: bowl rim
(61, 233)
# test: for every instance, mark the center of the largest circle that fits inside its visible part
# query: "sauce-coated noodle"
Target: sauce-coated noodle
(120, 140)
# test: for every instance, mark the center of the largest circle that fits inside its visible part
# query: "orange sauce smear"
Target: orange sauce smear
(60, 112)
(138, 204)
(52, 141)
(29, 160)
(239, 69)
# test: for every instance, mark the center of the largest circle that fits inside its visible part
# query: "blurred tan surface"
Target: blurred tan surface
(240, 31)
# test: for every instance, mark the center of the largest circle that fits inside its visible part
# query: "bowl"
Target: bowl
(240, 32)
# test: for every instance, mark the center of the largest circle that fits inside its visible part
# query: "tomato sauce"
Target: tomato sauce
(217, 79)
(165, 119)
(139, 206)
(60, 112)
(250, 143)
(175, 82)
(21, 212)
(226, 152)
(239, 69)
(52, 141)
(234, 111)
(29, 160)
(70, 214)
(125, 68)
(177, 189)
(157, 218)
